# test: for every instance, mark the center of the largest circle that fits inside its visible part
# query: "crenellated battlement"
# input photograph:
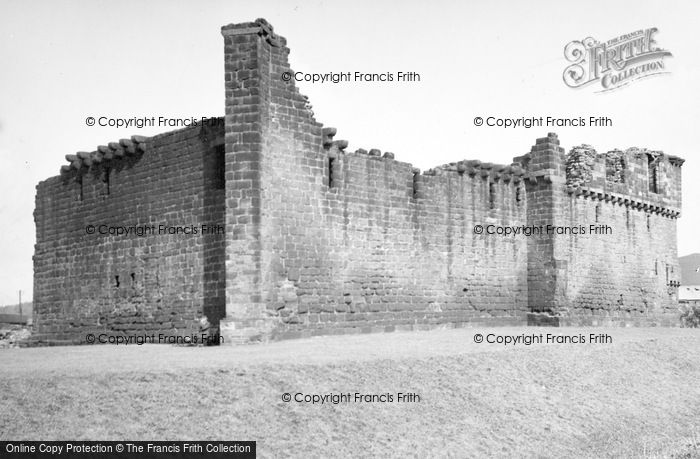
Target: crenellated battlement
(498, 174)
(639, 175)
(105, 154)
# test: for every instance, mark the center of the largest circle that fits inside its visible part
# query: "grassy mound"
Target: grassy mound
(638, 396)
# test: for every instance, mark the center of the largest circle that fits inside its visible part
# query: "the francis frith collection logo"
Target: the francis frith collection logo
(616, 62)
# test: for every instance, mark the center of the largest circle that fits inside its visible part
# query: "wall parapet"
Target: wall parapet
(644, 175)
(621, 199)
(111, 151)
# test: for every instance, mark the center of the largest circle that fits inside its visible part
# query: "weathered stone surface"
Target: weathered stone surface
(126, 284)
(318, 240)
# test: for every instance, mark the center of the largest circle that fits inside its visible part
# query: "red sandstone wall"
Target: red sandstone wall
(345, 242)
(320, 240)
(165, 282)
(372, 251)
(630, 274)
(625, 276)
(369, 256)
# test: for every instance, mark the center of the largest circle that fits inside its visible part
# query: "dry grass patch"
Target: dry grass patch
(637, 397)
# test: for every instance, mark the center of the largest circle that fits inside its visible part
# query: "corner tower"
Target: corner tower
(270, 133)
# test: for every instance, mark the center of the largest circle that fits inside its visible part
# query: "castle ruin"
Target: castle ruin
(268, 226)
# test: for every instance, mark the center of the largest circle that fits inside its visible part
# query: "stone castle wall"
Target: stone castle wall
(368, 243)
(319, 239)
(632, 274)
(87, 282)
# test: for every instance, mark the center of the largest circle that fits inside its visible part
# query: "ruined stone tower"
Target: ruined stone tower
(269, 227)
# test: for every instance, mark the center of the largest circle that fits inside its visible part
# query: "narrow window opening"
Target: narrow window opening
(415, 185)
(627, 218)
(492, 195)
(220, 168)
(133, 278)
(105, 179)
(623, 170)
(80, 187)
(653, 174)
(116, 278)
(656, 267)
(331, 164)
(518, 196)
(597, 213)
(648, 222)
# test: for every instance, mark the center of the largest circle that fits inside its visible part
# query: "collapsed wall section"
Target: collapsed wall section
(352, 242)
(102, 265)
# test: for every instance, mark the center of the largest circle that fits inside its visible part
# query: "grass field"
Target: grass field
(636, 397)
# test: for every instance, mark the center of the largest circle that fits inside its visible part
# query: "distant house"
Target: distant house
(689, 291)
(689, 294)
(26, 309)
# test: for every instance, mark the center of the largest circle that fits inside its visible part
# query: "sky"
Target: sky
(63, 61)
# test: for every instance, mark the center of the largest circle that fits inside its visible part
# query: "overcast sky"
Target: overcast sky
(63, 61)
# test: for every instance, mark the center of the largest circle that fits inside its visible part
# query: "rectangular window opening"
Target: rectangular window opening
(331, 164)
(220, 168)
(653, 174)
(415, 185)
(105, 179)
(79, 181)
